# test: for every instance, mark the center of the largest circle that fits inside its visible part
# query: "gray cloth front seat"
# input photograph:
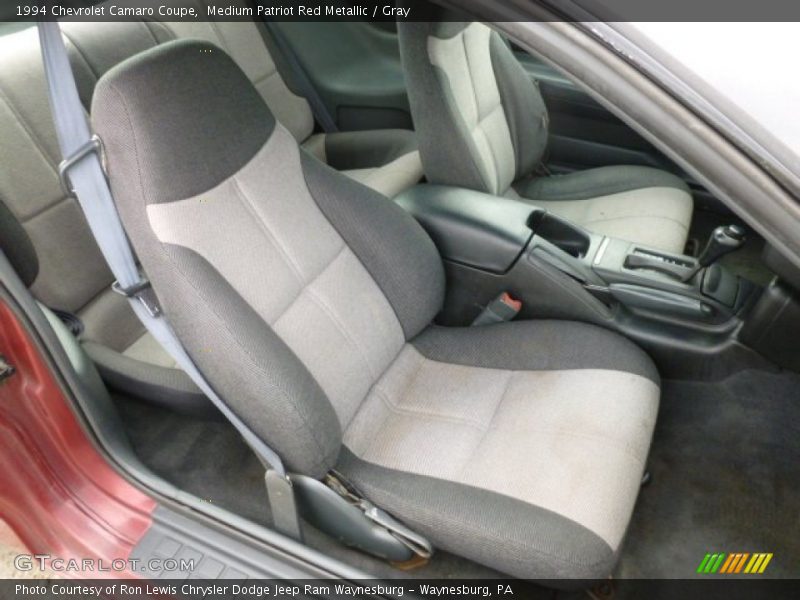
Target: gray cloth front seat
(482, 124)
(306, 299)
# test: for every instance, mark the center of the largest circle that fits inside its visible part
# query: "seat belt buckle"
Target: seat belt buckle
(501, 309)
(93, 146)
(143, 292)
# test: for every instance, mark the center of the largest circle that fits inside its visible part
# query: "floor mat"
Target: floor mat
(725, 463)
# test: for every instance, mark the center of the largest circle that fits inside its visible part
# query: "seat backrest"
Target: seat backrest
(292, 287)
(67, 268)
(44, 229)
(480, 120)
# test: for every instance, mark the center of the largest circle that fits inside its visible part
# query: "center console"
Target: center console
(559, 270)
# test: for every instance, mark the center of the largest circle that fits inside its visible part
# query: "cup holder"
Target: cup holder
(561, 233)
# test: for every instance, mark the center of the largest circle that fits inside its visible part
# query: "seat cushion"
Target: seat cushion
(392, 178)
(520, 446)
(385, 160)
(639, 204)
(147, 349)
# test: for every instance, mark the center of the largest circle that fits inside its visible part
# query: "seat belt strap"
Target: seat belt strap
(83, 176)
(318, 108)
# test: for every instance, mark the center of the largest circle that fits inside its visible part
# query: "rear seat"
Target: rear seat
(43, 231)
(385, 160)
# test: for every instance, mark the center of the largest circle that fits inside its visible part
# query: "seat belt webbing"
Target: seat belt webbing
(307, 89)
(82, 173)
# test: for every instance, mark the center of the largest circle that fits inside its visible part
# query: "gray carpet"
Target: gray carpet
(726, 477)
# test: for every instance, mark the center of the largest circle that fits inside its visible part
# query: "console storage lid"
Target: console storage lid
(472, 228)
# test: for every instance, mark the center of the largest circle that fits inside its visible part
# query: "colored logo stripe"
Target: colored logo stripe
(710, 563)
(735, 562)
(758, 563)
(728, 563)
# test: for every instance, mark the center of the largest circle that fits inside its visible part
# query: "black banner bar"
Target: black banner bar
(391, 10)
(729, 588)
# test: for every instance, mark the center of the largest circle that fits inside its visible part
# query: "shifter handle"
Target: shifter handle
(723, 240)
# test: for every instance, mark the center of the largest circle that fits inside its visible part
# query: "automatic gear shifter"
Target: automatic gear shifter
(723, 240)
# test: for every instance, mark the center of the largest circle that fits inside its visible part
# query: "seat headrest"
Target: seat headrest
(185, 112)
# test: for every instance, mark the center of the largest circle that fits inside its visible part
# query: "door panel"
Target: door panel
(583, 134)
(355, 67)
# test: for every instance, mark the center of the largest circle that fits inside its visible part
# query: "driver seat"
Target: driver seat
(482, 124)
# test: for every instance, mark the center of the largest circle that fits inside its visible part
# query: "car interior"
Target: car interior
(436, 276)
